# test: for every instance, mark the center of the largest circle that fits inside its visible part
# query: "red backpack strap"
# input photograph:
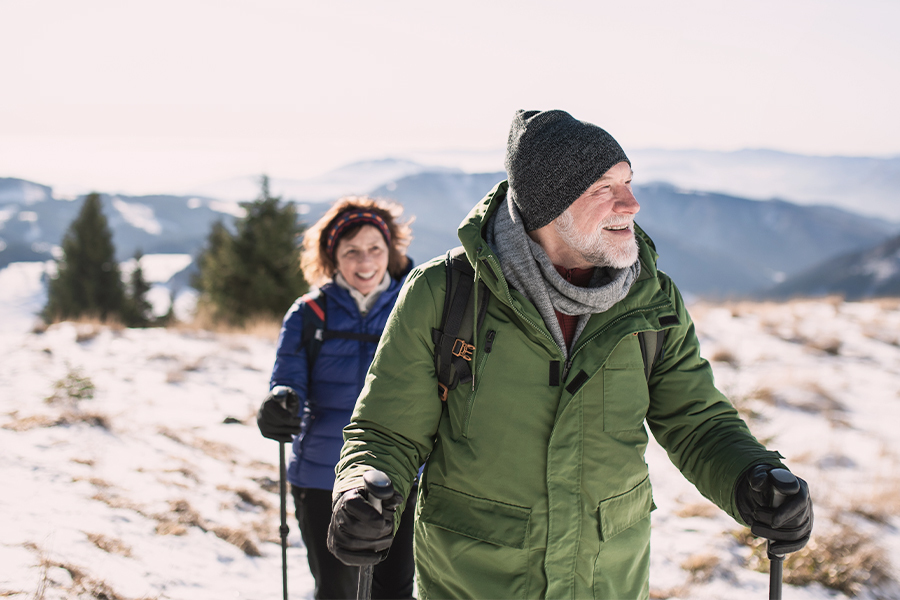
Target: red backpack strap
(310, 299)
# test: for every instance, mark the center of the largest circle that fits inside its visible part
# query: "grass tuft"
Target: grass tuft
(701, 567)
(706, 510)
(72, 389)
(846, 560)
(109, 544)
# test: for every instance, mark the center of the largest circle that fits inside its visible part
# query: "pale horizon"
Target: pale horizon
(143, 98)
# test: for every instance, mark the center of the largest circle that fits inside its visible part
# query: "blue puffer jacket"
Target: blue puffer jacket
(327, 393)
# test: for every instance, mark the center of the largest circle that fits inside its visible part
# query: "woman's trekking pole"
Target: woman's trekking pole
(378, 488)
(282, 488)
(784, 484)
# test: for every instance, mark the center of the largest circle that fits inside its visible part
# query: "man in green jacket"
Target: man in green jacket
(535, 484)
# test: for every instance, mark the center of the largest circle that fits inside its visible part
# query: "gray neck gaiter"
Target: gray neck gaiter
(528, 269)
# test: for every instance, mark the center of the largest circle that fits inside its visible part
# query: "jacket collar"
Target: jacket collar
(343, 298)
(645, 294)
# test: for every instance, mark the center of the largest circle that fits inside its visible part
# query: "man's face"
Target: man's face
(599, 225)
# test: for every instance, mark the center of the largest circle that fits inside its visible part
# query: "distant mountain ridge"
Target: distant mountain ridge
(864, 185)
(31, 225)
(873, 272)
(713, 244)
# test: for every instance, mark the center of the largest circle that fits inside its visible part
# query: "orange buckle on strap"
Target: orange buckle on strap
(443, 390)
(463, 349)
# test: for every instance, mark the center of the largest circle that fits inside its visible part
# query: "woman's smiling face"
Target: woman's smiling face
(363, 258)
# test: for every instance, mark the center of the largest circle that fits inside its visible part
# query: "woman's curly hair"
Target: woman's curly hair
(319, 266)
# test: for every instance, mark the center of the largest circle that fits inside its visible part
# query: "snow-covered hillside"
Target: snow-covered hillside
(133, 468)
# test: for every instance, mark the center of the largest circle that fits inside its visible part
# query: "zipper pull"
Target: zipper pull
(566, 366)
(489, 342)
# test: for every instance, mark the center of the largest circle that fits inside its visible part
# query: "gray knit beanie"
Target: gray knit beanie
(551, 159)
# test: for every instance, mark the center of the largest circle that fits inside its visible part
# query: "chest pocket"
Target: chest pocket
(625, 395)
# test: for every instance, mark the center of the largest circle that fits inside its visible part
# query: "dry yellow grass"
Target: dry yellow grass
(110, 544)
(701, 567)
(700, 509)
(846, 559)
(205, 321)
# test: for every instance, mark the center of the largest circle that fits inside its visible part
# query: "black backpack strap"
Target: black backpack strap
(350, 335)
(651, 348)
(313, 325)
(315, 329)
(453, 342)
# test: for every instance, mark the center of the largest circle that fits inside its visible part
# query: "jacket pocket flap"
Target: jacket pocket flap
(621, 512)
(479, 518)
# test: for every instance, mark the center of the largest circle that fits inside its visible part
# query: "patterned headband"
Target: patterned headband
(351, 218)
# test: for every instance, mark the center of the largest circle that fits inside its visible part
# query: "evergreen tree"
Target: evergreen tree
(138, 312)
(88, 281)
(256, 270)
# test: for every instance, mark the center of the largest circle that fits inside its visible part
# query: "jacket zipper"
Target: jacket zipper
(522, 315)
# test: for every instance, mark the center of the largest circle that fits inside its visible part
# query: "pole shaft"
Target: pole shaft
(776, 564)
(364, 587)
(282, 489)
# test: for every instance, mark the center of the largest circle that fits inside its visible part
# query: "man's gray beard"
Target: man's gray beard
(593, 247)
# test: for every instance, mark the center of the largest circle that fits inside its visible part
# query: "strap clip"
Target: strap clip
(463, 349)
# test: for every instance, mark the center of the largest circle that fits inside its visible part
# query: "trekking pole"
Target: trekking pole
(378, 488)
(282, 488)
(784, 484)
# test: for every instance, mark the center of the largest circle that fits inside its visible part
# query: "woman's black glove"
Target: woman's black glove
(277, 417)
(789, 525)
(358, 534)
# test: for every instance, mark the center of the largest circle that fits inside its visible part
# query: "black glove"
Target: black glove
(789, 525)
(358, 534)
(277, 417)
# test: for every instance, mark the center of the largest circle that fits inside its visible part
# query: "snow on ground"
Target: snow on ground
(158, 486)
(819, 381)
(144, 476)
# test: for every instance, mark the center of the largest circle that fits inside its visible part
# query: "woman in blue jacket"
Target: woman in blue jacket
(355, 257)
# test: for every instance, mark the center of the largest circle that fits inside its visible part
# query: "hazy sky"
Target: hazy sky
(142, 97)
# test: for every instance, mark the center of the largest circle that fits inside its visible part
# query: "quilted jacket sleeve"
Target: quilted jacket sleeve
(696, 424)
(291, 367)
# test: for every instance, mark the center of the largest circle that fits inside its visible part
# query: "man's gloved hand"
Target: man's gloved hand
(277, 417)
(358, 534)
(789, 525)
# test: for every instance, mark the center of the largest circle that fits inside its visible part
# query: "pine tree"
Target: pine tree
(137, 312)
(88, 282)
(256, 270)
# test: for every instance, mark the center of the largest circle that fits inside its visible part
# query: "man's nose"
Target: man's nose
(626, 202)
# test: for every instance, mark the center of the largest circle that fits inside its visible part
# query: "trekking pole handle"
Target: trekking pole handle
(281, 392)
(784, 484)
(378, 487)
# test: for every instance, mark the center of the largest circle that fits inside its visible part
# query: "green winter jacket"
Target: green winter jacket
(535, 484)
